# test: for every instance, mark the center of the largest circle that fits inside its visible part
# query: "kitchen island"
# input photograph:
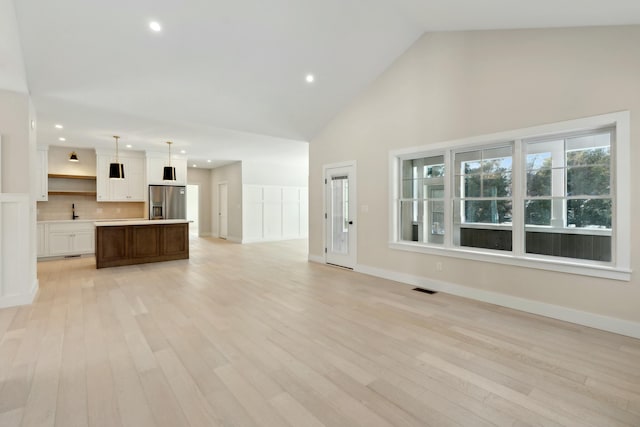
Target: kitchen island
(137, 242)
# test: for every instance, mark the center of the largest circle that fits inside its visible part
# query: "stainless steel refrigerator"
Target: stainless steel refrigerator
(167, 202)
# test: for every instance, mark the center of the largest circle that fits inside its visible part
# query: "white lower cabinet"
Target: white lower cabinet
(61, 239)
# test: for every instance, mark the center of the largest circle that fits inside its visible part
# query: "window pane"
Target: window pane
(539, 182)
(538, 160)
(498, 153)
(469, 162)
(471, 186)
(339, 214)
(588, 180)
(591, 213)
(496, 185)
(487, 211)
(408, 217)
(596, 156)
(408, 171)
(420, 172)
(422, 221)
(502, 164)
(537, 212)
(411, 188)
(599, 144)
(435, 171)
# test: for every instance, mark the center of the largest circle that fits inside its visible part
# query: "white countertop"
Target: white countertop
(107, 223)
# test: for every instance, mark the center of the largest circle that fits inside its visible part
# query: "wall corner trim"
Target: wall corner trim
(592, 320)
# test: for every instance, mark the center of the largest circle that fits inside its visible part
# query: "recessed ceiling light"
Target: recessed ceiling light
(208, 161)
(155, 26)
(310, 78)
(194, 165)
(129, 145)
(59, 127)
(62, 139)
(183, 151)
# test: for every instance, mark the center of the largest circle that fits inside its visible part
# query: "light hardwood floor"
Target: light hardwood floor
(254, 335)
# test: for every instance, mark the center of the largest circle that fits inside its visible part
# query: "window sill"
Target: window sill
(539, 262)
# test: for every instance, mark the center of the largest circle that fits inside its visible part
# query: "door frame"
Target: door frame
(353, 197)
(226, 184)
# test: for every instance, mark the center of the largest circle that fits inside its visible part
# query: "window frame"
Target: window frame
(618, 268)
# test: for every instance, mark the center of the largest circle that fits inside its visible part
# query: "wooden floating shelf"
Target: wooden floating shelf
(72, 193)
(87, 177)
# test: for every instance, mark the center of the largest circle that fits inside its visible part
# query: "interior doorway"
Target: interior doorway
(340, 214)
(223, 210)
(193, 204)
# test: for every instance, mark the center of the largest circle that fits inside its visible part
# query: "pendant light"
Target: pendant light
(169, 171)
(73, 157)
(116, 170)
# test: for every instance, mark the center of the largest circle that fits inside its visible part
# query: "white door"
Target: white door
(340, 209)
(222, 211)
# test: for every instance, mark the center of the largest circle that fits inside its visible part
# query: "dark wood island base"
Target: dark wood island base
(139, 242)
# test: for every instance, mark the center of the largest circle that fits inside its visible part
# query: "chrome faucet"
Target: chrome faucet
(73, 211)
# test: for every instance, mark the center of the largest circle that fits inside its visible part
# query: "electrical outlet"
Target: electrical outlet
(439, 266)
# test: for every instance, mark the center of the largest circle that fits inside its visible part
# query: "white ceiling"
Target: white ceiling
(225, 79)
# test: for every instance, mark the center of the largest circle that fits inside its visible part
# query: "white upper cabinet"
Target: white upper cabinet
(42, 181)
(130, 189)
(155, 167)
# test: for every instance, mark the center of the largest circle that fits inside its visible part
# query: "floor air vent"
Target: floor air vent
(425, 291)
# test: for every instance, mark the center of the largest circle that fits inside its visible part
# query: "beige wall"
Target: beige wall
(454, 85)
(202, 178)
(232, 175)
(59, 161)
(17, 154)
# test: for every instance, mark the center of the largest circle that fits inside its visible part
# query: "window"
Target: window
(422, 203)
(483, 198)
(568, 202)
(552, 197)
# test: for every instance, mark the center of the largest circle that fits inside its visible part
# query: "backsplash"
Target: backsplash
(59, 207)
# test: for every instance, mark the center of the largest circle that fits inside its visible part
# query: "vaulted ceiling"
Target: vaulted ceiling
(225, 80)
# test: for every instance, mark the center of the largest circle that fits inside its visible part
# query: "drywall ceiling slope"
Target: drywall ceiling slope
(463, 15)
(222, 75)
(233, 65)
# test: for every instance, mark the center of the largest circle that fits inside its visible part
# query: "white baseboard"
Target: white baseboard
(598, 321)
(22, 299)
(272, 239)
(317, 259)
